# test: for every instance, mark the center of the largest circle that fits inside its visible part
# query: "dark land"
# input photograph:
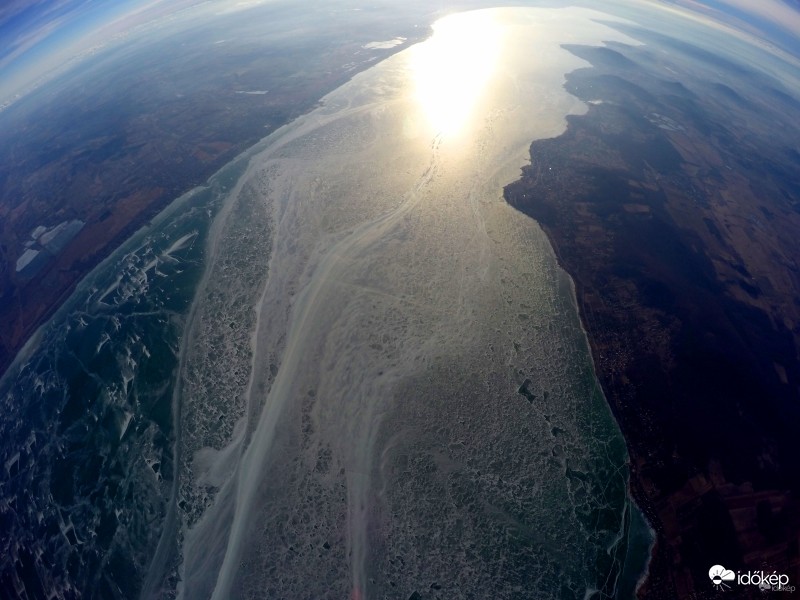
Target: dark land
(111, 142)
(674, 204)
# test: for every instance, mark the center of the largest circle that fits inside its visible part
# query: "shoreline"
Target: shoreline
(129, 201)
(679, 326)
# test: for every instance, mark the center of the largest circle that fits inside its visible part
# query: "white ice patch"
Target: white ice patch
(26, 258)
(214, 467)
(38, 231)
(385, 45)
(111, 288)
(104, 339)
(9, 464)
(126, 421)
(179, 244)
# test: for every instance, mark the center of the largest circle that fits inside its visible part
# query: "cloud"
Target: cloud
(772, 20)
(773, 11)
(24, 25)
(14, 8)
(40, 36)
(30, 39)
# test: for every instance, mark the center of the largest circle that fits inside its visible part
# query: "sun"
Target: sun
(453, 68)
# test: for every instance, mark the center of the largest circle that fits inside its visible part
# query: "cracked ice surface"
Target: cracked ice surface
(381, 444)
(87, 420)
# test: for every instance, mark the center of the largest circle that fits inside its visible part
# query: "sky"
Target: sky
(774, 21)
(37, 37)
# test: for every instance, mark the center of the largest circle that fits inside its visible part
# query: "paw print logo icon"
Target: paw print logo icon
(720, 576)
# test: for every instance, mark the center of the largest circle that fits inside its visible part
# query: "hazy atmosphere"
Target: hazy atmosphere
(431, 300)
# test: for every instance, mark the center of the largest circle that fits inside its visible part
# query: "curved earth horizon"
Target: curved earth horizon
(399, 301)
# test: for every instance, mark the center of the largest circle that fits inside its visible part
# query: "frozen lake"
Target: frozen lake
(343, 368)
(421, 413)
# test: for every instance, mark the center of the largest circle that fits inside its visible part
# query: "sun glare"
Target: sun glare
(452, 69)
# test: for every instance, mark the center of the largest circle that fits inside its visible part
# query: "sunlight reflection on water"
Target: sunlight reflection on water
(452, 70)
